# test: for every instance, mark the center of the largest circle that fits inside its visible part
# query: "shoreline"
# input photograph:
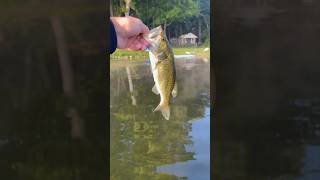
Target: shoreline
(198, 52)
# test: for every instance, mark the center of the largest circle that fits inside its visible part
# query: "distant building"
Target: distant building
(187, 39)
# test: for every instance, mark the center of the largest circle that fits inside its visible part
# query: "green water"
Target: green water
(145, 146)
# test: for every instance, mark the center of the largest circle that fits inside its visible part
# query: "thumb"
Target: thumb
(144, 29)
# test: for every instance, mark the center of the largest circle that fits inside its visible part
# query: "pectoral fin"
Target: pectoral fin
(155, 67)
(155, 90)
(175, 90)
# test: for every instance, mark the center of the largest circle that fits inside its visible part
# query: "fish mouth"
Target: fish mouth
(154, 33)
(153, 37)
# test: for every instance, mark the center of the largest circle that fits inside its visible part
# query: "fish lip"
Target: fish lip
(152, 37)
(153, 33)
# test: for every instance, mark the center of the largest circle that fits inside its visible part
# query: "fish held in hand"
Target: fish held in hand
(163, 69)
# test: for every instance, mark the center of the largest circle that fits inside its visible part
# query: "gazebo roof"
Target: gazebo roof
(189, 35)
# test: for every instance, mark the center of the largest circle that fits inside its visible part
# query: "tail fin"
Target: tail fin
(165, 110)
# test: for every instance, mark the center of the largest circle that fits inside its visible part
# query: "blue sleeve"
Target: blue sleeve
(113, 38)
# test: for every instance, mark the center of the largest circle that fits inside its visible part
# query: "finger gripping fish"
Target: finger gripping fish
(163, 69)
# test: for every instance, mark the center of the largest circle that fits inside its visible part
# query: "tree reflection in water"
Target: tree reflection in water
(142, 140)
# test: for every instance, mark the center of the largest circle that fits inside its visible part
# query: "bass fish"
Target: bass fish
(163, 69)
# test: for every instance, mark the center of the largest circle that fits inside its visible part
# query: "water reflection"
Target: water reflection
(142, 140)
(266, 120)
(199, 168)
(53, 99)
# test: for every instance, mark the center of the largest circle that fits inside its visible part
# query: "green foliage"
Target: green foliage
(118, 7)
(176, 14)
(123, 53)
(164, 11)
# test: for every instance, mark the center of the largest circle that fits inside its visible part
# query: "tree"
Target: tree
(177, 16)
(164, 12)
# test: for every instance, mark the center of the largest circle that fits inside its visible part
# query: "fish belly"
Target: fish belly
(157, 83)
(155, 73)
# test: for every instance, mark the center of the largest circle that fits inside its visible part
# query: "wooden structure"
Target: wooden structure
(187, 39)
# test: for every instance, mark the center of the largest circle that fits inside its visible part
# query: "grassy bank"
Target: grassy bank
(124, 53)
(198, 51)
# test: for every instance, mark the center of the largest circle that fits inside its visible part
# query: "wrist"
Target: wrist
(113, 38)
(117, 23)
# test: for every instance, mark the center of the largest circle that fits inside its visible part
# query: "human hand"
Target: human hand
(129, 32)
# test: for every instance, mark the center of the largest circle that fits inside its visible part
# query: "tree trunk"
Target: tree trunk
(77, 123)
(152, 21)
(118, 87)
(134, 102)
(111, 9)
(64, 60)
(128, 3)
(199, 29)
(77, 128)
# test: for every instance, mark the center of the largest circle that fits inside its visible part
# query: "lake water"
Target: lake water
(143, 144)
